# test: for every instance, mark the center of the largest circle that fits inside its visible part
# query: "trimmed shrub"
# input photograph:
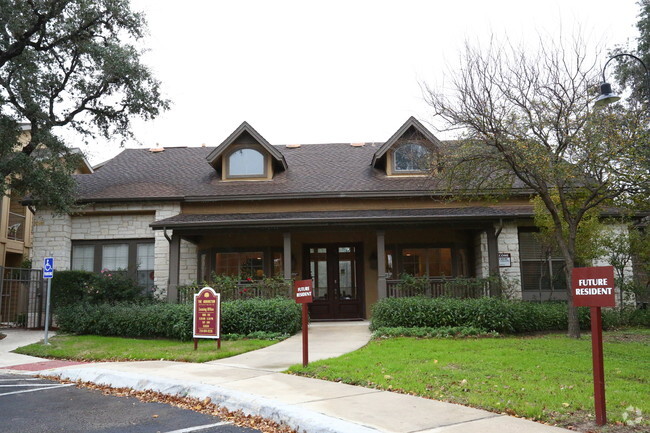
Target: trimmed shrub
(491, 314)
(268, 315)
(231, 288)
(174, 321)
(444, 332)
(70, 287)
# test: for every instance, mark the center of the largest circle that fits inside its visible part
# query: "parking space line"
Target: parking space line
(199, 427)
(37, 389)
(19, 379)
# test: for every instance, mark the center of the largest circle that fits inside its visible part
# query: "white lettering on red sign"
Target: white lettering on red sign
(593, 282)
(594, 291)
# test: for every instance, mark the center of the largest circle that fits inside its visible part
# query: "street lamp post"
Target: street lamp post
(607, 96)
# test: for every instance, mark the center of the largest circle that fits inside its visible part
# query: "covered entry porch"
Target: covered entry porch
(351, 256)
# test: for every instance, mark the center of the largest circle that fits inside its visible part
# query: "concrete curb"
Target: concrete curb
(302, 420)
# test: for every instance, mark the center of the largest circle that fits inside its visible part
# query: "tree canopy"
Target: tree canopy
(526, 117)
(67, 63)
(630, 73)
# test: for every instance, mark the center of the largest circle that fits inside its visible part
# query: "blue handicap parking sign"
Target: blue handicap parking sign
(48, 267)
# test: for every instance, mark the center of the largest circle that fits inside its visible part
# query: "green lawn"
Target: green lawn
(546, 378)
(94, 348)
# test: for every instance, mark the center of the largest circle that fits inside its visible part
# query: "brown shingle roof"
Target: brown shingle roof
(316, 170)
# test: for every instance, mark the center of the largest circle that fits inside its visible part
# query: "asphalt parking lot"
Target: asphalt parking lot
(33, 405)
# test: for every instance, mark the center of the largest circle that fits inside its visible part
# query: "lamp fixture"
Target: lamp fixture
(607, 96)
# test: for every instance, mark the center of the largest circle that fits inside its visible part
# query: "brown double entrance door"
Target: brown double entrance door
(337, 273)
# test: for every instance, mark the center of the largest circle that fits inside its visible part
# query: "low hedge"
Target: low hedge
(492, 314)
(444, 332)
(174, 321)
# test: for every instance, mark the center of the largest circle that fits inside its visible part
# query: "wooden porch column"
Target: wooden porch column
(174, 267)
(287, 255)
(381, 265)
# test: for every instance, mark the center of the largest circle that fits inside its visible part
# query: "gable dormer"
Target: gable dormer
(246, 155)
(412, 150)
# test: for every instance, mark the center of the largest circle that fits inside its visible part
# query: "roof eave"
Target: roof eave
(276, 222)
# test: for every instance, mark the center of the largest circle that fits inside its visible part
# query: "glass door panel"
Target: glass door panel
(334, 269)
(318, 272)
(347, 281)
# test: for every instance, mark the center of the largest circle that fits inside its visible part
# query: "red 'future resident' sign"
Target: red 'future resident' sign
(593, 287)
(207, 309)
(303, 291)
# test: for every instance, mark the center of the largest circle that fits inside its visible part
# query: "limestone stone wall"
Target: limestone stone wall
(112, 226)
(161, 249)
(188, 267)
(51, 237)
(482, 263)
(508, 242)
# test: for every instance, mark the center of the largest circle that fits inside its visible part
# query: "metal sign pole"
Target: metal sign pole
(48, 273)
(599, 370)
(305, 335)
(47, 310)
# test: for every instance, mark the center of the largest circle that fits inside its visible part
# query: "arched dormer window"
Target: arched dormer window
(411, 158)
(246, 162)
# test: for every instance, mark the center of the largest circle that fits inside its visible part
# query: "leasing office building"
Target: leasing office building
(352, 216)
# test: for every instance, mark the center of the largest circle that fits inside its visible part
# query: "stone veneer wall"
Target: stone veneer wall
(481, 264)
(189, 263)
(508, 242)
(53, 236)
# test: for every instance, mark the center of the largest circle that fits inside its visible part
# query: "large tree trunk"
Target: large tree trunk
(574, 322)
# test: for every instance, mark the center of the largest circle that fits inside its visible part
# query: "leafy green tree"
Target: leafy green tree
(621, 250)
(67, 64)
(630, 73)
(526, 119)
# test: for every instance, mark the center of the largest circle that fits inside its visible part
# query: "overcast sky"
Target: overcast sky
(315, 71)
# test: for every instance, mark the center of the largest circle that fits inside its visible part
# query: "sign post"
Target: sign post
(594, 287)
(207, 316)
(304, 294)
(48, 273)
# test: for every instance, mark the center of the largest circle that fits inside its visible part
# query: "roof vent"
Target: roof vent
(203, 145)
(293, 146)
(156, 149)
(357, 144)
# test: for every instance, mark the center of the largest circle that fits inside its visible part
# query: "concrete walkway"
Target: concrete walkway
(252, 382)
(14, 339)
